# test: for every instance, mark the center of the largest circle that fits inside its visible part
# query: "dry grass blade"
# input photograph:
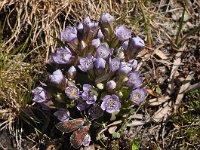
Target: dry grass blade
(176, 64)
(193, 86)
(183, 89)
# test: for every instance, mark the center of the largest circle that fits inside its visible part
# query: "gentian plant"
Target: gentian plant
(94, 72)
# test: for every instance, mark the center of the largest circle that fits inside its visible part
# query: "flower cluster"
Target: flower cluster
(99, 72)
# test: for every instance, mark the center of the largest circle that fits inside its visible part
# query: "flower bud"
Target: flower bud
(122, 33)
(71, 72)
(125, 45)
(62, 56)
(62, 114)
(100, 35)
(135, 45)
(120, 94)
(90, 29)
(57, 77)
(125, 68)
(107, 19)
(114, 64)
(133, 63)
(100, 86)
(70, 36)
(103, 51)
(39, 95)
(121, 55)
(100, 63)
(110, 85)
(125, 79)
(86, 64)
(134, 80)
(96, 43)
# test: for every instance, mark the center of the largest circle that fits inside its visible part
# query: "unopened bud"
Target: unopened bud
(71, 72)
(111, 85)
(100, 86)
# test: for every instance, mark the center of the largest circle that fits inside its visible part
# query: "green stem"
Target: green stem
(147, 25)
(191, 32)
(180, 26)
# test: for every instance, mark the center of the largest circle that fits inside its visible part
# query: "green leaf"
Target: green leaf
(116, 135)
(158, 90)
(135, 144)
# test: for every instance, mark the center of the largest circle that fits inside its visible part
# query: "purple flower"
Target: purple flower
(86, 63)
(114, 64)
(82, 105)
(57, 77)
(90, 29)
(135, 80)
(69, 34)
(125, 45)
(96, 43)
(99, 63)
(80, 30)
(88, 24)
(86, 140)
(111, 85)
(137, 43)
(133, 63)
(100, 35)
(72, 92)
(106, 18)
(89, 95)
(122, 33)
(125, 67)
(62, 56)
(62, 115)
(138, 95)
(103, 51)
(111, 103)
(39, 95)
(80, 26)
(95, 112)
(71, 72)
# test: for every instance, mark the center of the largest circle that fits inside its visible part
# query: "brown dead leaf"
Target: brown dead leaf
(112, 129)
(152, 93)
(160, 54)
(162, 113)
(136, 123)
(158, 101)
(136, 116)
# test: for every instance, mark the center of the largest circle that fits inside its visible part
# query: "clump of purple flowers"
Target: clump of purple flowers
(97, 63)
